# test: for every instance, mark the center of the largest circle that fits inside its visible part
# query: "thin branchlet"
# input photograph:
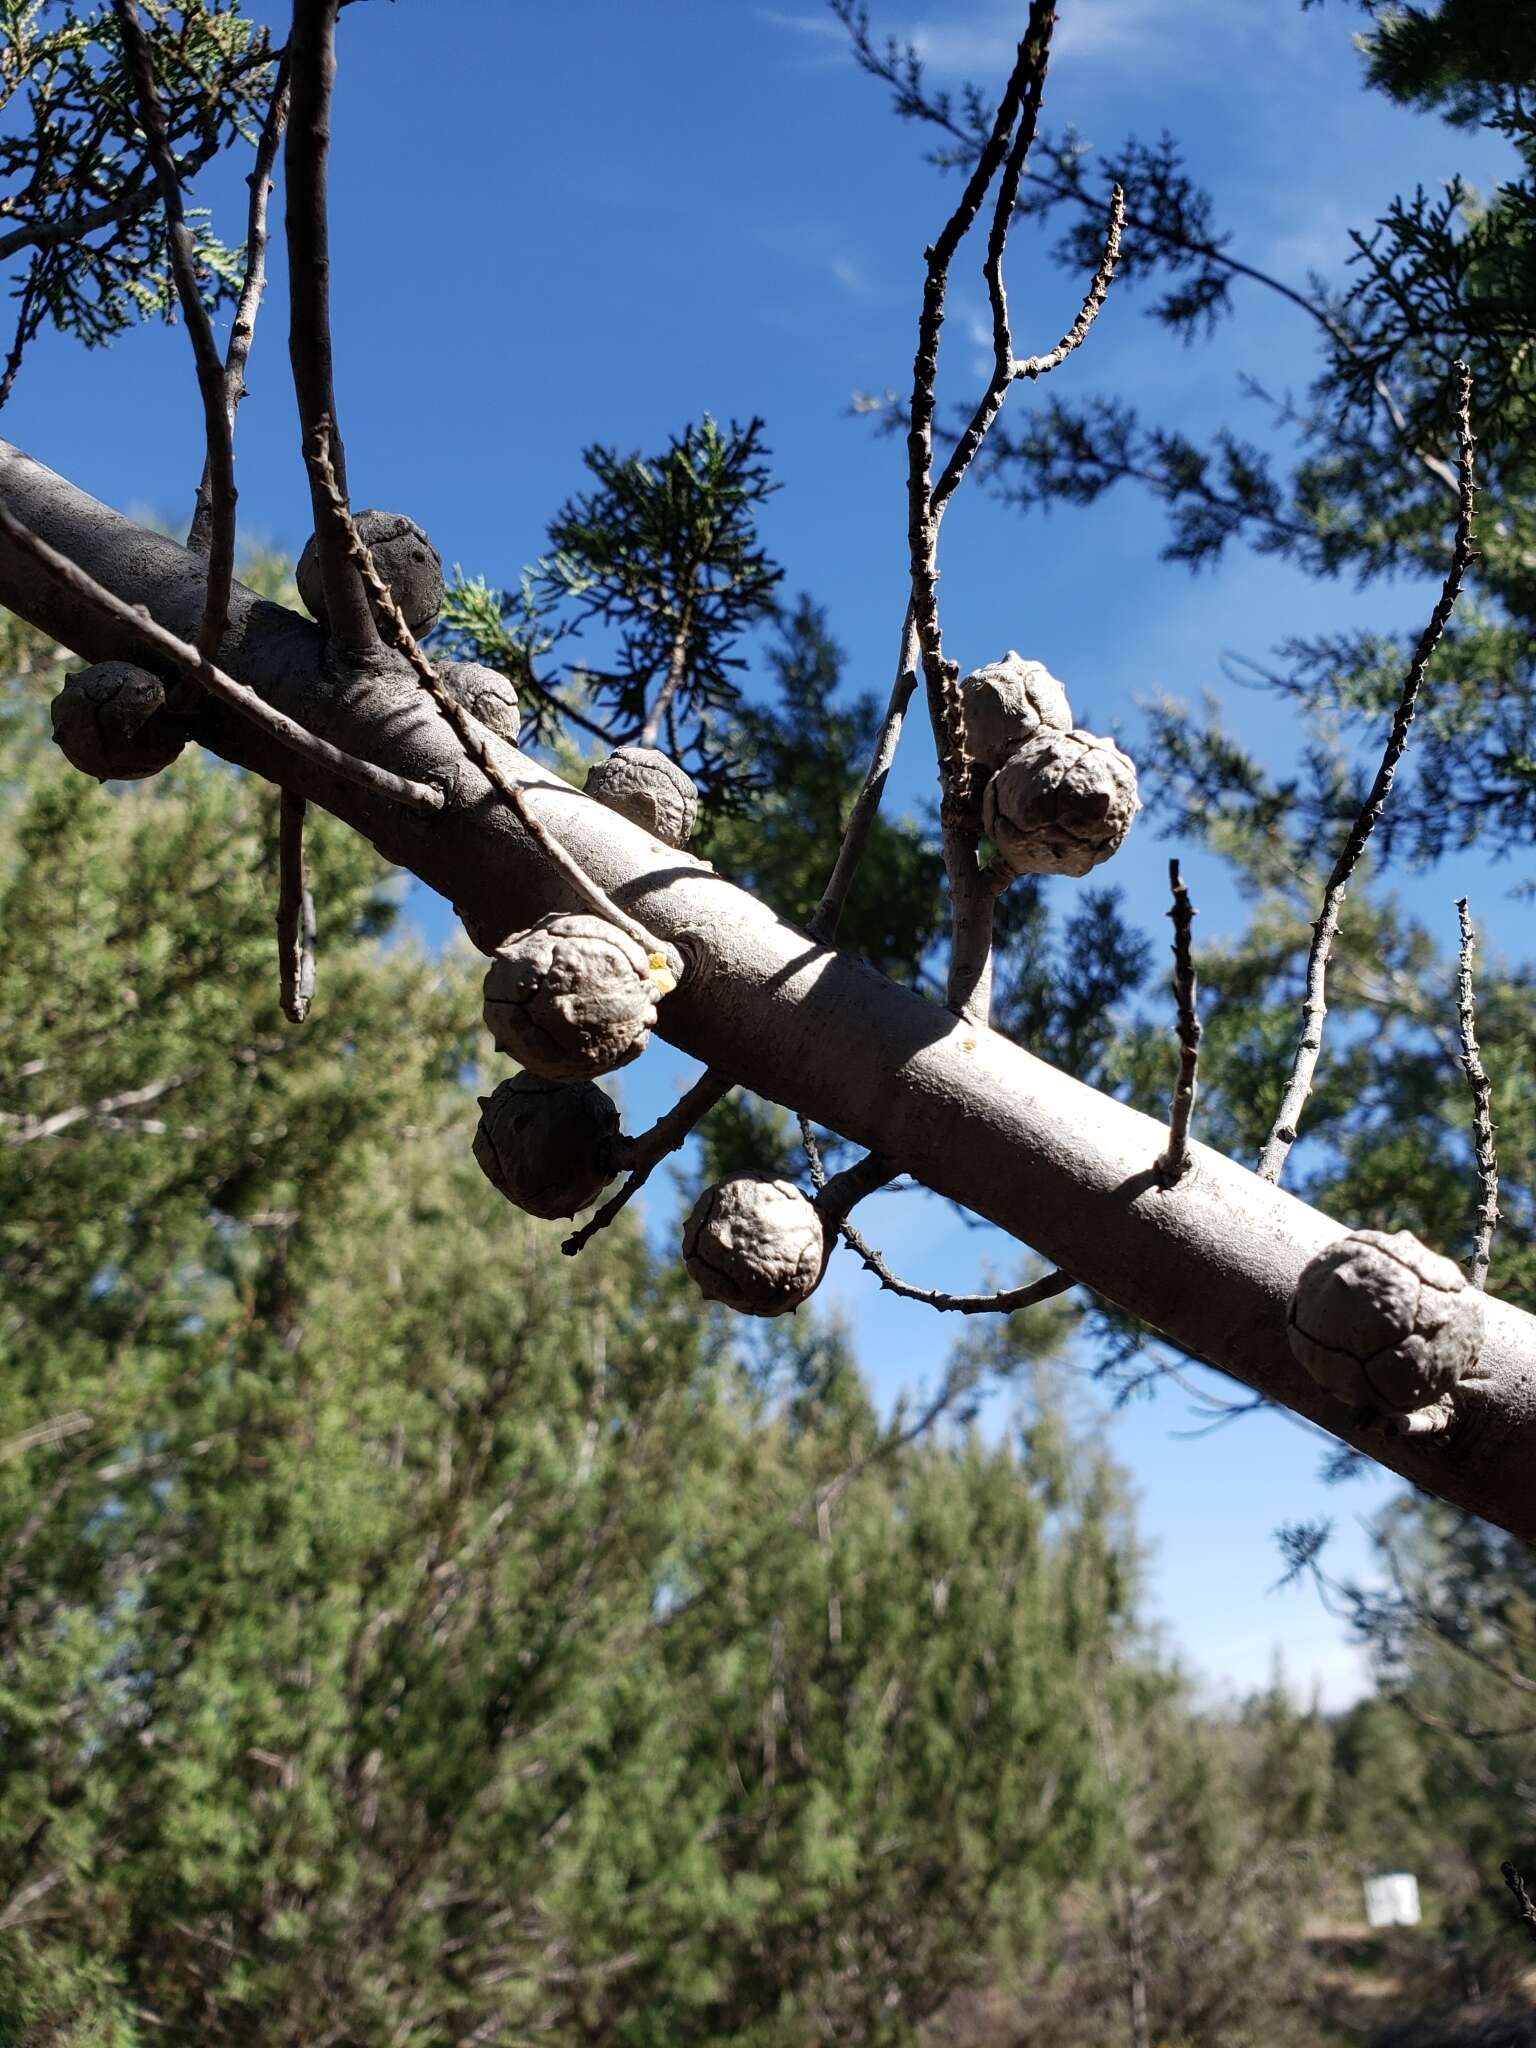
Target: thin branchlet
(295, 912)
(1487, 1216)
(836, 1197)
(312, 57)
(1525, 1905)
(139, 626)
(1035, 367)
(253, 285)
(476, 743)
(651, 1148)
(1282, 1135)
(1025, 84)
(218, 421)
(1175, 1160)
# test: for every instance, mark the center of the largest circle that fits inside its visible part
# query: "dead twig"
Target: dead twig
(136, 621)
(1034, 367)
(1314, 1009)
(295, 913)
(243, 329)
(476, 743)
(1482, 1118)
(218, 423)
(650, 1149)
(312, 55)
(1175, 1160)
(1524, 1903)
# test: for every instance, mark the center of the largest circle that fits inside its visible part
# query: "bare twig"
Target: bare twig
(1173, 1162)
(1482, 1118)
(471, 737)
(135, 620)
(312, 53)
(54, 1431)
(836, 1197)
(1034, 367)
(1005, 370)
(1021, 97)
(243, 329)
(866, 805)
(27, 1130)
(651, 1148)
(1002, 1304)
(1282, 1136)
(1522, 1898)
(218, 425)
(295, 912)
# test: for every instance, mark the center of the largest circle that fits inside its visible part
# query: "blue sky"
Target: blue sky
(555, 225)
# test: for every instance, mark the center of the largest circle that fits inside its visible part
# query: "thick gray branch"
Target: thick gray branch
(1210, 1264)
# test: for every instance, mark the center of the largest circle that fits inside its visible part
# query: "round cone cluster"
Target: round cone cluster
(1007, 703)
(648, 789)
(403, 556)
(485, 694)
(110, 721)
(1060, 804)
(573, 997)
(1384, 1323)
(550, 1147)
(755, 1244)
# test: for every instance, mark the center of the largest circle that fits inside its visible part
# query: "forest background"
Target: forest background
(801, 300)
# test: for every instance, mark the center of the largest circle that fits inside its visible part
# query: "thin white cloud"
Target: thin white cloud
(978, 42)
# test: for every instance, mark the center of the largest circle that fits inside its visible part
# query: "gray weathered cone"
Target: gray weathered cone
(756, 1244)
(110, 721)
(403, 556)
(1061, 804)
(485, 694)
(1384, 1323)
(1008, 702)
(551, 1147)
(574, 997)
(650, 790)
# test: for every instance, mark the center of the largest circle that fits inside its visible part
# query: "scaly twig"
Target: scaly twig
(312, 54)
(218, 424)
(1522, 1898)
(1482, 1118)
(477, 744)
(135, 620)
(295, 912)
(1027, 79)
(1282, 1135)
(1175, 1160)
(651, 1148)
(243, 329)
(836, 1197)
(1034, 367)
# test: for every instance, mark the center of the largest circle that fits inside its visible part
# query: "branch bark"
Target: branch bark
(1210, 1264)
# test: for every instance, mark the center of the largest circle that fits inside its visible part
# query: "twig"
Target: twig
(312, 51)
(836, 1198)
(27, 1130)
(295, 913)
(218, 424)
(392, 624)
(1034, 367)
(866, 805)
(136, 620)
(1004, 1303)
(243, 329)
(1282, 1135)
(1005, 370)
(1175, 1160)
(1482, 1119)
(54, 1431)
(1027, 79)
(649, 1150)
(1523, 1900)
